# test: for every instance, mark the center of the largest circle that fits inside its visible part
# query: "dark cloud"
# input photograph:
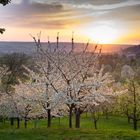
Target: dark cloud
(34, 8)
(61, 13)
(107, 2)
(32, 14)
(94, 2)
(104, 2)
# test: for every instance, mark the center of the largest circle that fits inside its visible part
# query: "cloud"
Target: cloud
(59, 14)
(26, 8)
(26, 13)
(129, 13)
(118, 10)
(93, 2)
(105, 6)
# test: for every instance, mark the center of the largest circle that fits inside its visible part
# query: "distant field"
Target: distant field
(30, 48)
(116, 128)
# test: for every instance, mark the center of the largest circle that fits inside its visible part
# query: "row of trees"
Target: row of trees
(64, 82)
(61, 82)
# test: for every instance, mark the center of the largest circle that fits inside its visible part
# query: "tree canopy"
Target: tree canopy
(4, 2)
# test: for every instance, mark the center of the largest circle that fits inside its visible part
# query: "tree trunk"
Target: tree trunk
(1, 119)
(12, 121)
(18, 122)
(128, 119)
(70, 117)
(135, 108)
(35, 123)
(95, 124)
(59, 120)
(4, 120)
(106, 115)
(25, 122)
(135, 124)
(77, 118)
(86, 114)
(49, 118)
(95, 118)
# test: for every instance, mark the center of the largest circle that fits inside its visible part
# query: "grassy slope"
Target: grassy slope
(116, 128)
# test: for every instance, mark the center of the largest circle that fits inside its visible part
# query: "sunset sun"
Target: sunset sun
(102, 34)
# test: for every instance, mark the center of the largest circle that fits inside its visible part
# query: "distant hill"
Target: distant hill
(30, 48)
(133, 50)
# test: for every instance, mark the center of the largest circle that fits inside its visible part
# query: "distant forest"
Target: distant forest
(135, 50)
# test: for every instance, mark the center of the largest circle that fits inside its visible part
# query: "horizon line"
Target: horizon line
(68, 42)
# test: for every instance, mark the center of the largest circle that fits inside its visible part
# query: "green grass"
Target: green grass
(115, 128)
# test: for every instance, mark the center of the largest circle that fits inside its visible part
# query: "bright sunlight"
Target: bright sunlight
(102, 34)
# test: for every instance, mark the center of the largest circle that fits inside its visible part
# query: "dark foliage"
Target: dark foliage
(4, 2)
(15, 70)
(134, 49)
(2, 30)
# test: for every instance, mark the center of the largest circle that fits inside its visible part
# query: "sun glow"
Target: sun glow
(102, 34)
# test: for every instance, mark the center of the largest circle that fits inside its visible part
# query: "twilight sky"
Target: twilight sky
(102, 21)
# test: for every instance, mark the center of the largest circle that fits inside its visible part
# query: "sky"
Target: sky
(100, 21)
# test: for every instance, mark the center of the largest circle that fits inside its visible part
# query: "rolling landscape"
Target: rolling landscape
(30, 47)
